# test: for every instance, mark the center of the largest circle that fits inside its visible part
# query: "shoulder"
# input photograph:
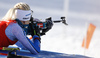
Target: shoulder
(14, 26)
(16, 29)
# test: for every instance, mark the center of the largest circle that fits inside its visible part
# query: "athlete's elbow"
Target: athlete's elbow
(36, 53)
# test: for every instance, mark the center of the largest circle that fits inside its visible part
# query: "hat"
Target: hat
(23, 15)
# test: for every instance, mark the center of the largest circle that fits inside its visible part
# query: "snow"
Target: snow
(61, 38)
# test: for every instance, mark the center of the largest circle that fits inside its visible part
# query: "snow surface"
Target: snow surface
(61, 38)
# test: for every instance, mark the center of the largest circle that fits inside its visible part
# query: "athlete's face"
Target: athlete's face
(25, 22)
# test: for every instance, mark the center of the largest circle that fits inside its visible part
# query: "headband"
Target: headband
(23, 15)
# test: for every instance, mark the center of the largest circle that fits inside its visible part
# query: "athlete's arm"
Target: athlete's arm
(21, 37)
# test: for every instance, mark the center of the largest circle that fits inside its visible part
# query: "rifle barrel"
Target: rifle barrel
(57, 21)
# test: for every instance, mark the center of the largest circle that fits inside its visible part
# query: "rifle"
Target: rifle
(36, 28)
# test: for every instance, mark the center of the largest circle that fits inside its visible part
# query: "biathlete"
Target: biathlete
(11, 31)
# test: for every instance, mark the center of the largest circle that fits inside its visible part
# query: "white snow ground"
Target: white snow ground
(61, 38)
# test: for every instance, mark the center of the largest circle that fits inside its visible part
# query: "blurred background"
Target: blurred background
(61, 38)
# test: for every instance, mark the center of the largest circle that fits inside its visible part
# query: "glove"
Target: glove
(48, 25)
(36, 37)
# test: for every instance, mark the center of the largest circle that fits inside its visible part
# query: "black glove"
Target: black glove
(48, 25)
